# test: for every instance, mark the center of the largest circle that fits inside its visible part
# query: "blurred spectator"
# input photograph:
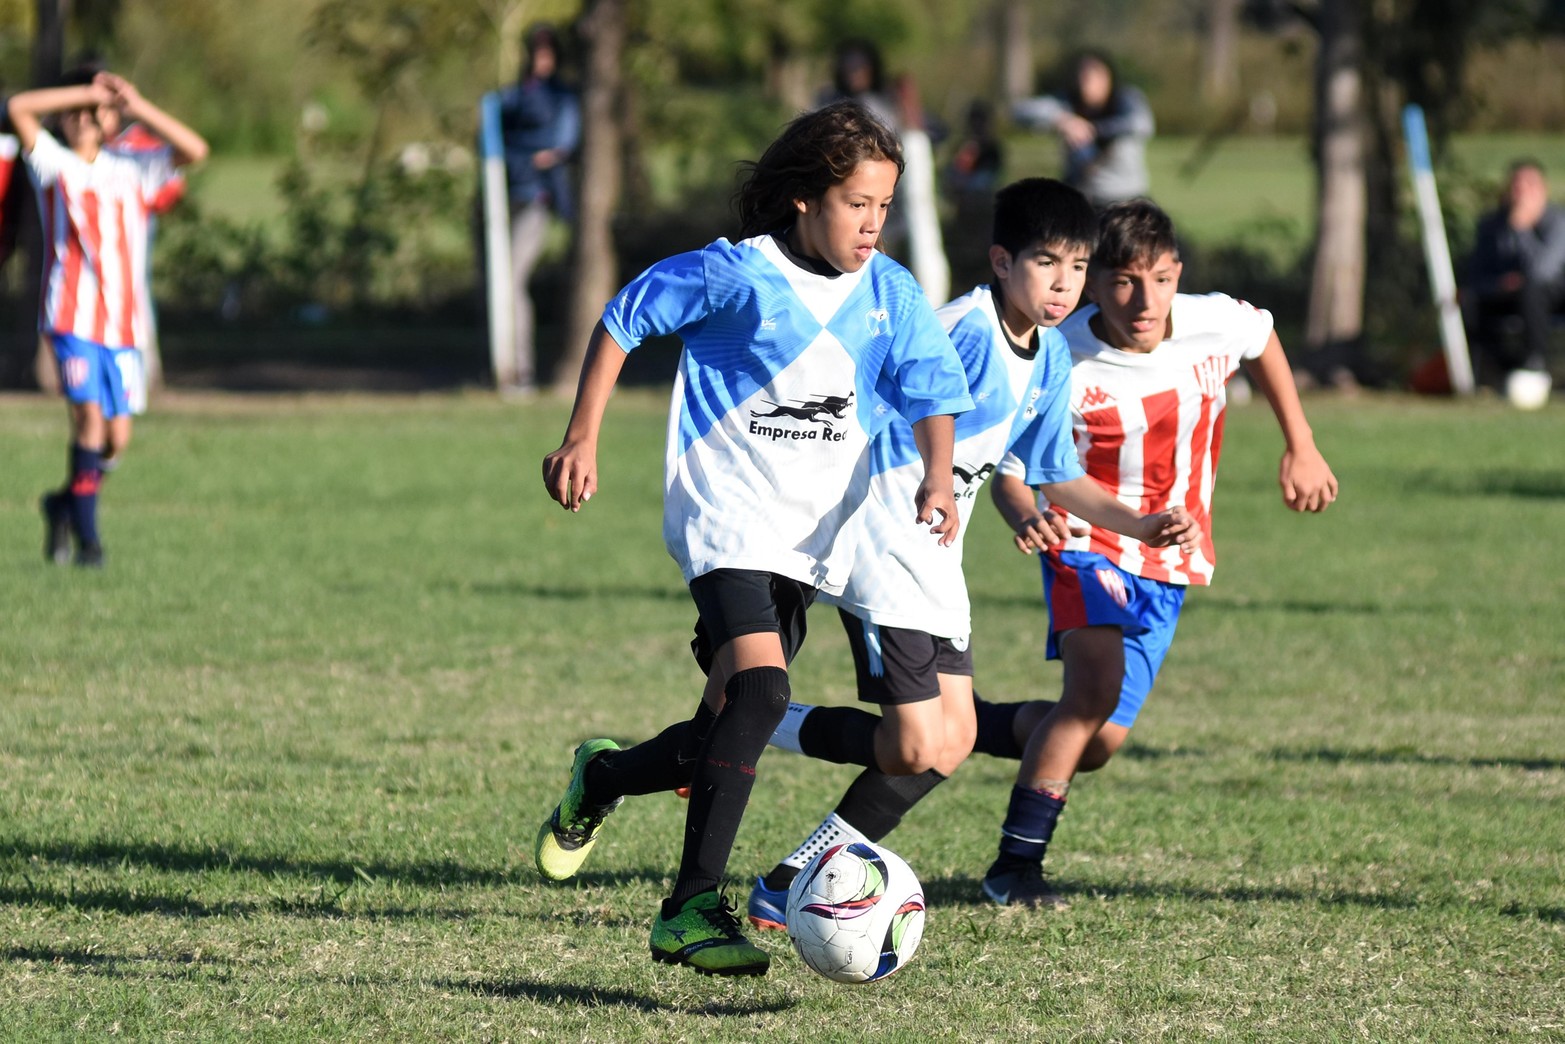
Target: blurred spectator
(1103, 126)
(1516, 277)
(540, 124)
(859, 75)
(971, 176)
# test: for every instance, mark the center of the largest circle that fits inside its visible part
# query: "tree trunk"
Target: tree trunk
(594, 265)
(1014, 23)
(1335, 320)
(1220, 65)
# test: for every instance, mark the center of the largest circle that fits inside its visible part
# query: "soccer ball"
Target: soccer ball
(856, 912)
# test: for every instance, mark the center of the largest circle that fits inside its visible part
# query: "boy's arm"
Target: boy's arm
(1032, 529)
(570, 473)
(935, 436)
(188, 146)
(28, 108)
(1306, 479)
(1086, 499)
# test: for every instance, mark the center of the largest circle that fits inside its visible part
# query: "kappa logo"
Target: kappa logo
(821, 410)
(877, 321)
(1114, 585)
(1094, 398)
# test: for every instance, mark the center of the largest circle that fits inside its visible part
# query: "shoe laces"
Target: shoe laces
(586, 823)
(723, 917)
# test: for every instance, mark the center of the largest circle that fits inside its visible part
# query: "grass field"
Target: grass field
(274, 775)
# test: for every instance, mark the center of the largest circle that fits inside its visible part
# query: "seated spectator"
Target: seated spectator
(1516, 278)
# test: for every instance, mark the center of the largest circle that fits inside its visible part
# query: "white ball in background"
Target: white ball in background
(1528, 389)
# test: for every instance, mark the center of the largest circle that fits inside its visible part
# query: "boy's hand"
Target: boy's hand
(1174, 526)
(1306, 480)
(936, 495)
(570, 474)
(1044, 530)
(122, 93)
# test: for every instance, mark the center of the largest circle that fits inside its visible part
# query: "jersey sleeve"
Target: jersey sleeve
(923, 375)
(1251, 328)
(1044, 450)
(47, 159)
(665, 298)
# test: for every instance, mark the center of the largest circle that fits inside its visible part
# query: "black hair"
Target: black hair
(1073, 81)
(865, 50)
(817, 150)
(1525, 163)
(1043, 212)
(537, 37)
(1132, 232)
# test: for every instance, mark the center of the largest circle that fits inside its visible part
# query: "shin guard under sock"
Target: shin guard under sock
(1029, 826)
(86, 477)
(725, 774)
(844, 735)
(662, 763)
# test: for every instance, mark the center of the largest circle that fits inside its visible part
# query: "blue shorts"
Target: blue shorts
(93, 373)
(1084, 589)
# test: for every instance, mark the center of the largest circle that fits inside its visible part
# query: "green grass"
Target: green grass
(274, 775)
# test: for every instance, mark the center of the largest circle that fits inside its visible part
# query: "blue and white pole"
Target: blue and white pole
(1437, 252)
(497, 242)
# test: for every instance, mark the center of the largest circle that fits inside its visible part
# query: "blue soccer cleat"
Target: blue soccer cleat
(768, 909)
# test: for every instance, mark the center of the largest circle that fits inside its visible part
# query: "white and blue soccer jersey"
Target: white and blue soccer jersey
(901, 576)
(785, 377)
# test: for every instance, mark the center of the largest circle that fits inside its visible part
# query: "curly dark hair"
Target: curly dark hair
(817, 150)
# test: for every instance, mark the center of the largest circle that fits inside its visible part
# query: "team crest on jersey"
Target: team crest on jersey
(1095, 398)
(877, 321)
(1211, 374)
(817, 413)
(1114, 585)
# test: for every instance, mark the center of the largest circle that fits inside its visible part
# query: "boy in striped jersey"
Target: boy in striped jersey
(905, 607)
(95, 204)
(1147, 392)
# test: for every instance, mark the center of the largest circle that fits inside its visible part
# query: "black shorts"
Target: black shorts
(897, 665)
(732, 603)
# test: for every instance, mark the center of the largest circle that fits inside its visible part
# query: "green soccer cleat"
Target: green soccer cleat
(571, 830)
(705, 936)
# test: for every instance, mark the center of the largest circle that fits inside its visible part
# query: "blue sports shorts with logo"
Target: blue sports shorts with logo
(1085, 589)
(93, 373)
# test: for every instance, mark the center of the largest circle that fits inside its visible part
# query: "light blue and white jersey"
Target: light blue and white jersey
(785, 377)
(901, 576)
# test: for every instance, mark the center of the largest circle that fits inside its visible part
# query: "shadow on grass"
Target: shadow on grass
(314, 902)
(519, 589)
(594, 997)
(1407, 756)
(173, 858)
(1497, 482)
(1206, 601)
(114, 964)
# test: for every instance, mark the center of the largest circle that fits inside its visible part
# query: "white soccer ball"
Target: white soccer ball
(1528, 389)
(856, 912)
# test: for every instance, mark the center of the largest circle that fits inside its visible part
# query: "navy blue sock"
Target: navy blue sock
(844, 735)
(1029, 825)
(724, 776)
(86, 476)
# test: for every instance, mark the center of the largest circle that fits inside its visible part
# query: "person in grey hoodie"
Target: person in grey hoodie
(1103, 125)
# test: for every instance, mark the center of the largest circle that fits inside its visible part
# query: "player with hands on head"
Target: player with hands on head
(95, 205)
(1147, 396)
(905, 607)
(800, 340)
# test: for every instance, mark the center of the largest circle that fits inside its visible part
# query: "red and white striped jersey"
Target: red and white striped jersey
(1149, 427)
(95, 241)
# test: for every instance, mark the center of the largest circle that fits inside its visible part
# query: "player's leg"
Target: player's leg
(918, 741)
(95, 395)
(756, 622)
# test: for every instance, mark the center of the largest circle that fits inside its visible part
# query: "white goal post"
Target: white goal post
(1437, 252)
(496, 215)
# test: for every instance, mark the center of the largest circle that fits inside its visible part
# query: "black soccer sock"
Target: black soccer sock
(662, 763)
(724, 776)
(86, 476)
(871, 808)
(875, 802)
(844, 735)
(995, 724)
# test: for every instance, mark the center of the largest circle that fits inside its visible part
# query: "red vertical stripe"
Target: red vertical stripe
(1159, 450)
(64, 318)
(127, 302)
(94, 235)
(1067, 608)
(1194, 503)
(1105, 438)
